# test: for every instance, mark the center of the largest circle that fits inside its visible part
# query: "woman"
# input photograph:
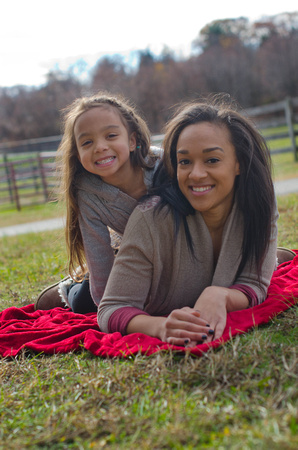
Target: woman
(206, 245)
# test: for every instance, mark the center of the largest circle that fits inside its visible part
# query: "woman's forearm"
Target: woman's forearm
(236, 300)
(145, 324)
(182, 325)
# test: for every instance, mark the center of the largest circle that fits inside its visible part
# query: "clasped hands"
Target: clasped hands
(204, 322)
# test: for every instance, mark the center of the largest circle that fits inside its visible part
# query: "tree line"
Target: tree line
(254, 62)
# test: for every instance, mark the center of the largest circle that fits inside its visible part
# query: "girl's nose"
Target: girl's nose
(101, 145)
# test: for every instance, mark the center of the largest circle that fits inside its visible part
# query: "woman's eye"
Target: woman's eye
(213, 160)
(183, 162)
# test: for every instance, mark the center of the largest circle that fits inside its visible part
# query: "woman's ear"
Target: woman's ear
(237, 168)
(132, 142)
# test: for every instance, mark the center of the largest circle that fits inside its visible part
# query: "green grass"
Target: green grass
(241, 396)
(30, 213)
(284, 166)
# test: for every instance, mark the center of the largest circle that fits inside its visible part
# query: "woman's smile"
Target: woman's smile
(201, 189)
(207, 167)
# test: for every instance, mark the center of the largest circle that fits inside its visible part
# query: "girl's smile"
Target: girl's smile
(104, 145)
(105, 161)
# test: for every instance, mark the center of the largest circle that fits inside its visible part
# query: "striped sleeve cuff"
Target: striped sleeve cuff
(249, 292)
(121, 318)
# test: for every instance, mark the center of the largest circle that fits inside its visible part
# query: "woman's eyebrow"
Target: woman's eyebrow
(206, 150)
(211, 149)
(183, 152)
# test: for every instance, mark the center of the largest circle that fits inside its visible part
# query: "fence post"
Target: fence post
(14, 185)
(43, 178)
(290, 122)
(7, 170)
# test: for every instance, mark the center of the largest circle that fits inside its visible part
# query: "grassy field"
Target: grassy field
(242, 396)
(284, 166)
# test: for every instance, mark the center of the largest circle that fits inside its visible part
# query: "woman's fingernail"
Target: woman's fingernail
(210, 331)
(204, 336)
(207, 325)
(186, 341)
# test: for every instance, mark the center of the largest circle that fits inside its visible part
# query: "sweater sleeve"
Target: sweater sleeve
(249, 277)
(130, 279)
(98, 251)
(248, 291)
(121, 317)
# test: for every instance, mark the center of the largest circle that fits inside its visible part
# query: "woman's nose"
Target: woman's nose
(198, 171)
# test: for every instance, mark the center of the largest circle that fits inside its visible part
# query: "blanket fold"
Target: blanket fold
(62, 331)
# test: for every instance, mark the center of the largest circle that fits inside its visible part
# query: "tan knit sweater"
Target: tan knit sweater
(156, 274)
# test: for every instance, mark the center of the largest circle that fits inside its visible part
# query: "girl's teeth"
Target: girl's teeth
(104, 161)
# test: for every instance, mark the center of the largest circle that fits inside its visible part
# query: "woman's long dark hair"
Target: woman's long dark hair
(254, 191)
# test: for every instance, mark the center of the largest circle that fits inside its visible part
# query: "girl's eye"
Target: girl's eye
(112, 135)
(86, 143)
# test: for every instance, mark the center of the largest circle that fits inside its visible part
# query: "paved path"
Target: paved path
(281, 188)
(286, 186)
(33, 227)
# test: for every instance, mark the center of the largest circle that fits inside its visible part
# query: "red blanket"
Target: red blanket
(61, 331)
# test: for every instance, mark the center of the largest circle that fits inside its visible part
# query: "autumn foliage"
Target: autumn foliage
(256, 63)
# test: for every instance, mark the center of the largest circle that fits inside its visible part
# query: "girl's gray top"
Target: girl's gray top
(101, 206)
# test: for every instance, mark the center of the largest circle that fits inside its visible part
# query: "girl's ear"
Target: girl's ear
(132, 142)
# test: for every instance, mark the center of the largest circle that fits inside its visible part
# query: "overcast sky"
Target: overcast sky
(37, 36)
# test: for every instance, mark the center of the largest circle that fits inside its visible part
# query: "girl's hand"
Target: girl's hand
(185, 327)
(212, 305)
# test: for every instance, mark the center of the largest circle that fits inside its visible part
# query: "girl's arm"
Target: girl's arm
(99, 254)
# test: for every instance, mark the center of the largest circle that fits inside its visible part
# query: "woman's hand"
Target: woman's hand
(215, 302)
(189, 326)
(184, 327)
(212, 305)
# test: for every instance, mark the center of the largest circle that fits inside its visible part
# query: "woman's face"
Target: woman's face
(207, 167)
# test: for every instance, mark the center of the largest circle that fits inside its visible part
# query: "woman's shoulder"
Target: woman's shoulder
(149, 203)
(151, 212)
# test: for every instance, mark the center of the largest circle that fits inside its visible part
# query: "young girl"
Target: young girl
(206, 245)
(105, 166)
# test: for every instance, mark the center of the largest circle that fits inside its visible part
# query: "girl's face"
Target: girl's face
(207, 168)
(103, 144)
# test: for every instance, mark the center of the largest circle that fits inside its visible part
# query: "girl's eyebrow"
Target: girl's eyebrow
(107, 127)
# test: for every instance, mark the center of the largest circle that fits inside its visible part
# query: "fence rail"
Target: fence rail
(28, 181)
(278, 114)
(27, 173)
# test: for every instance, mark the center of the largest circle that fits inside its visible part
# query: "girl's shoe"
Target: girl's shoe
(284, 254)
(51, 298)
